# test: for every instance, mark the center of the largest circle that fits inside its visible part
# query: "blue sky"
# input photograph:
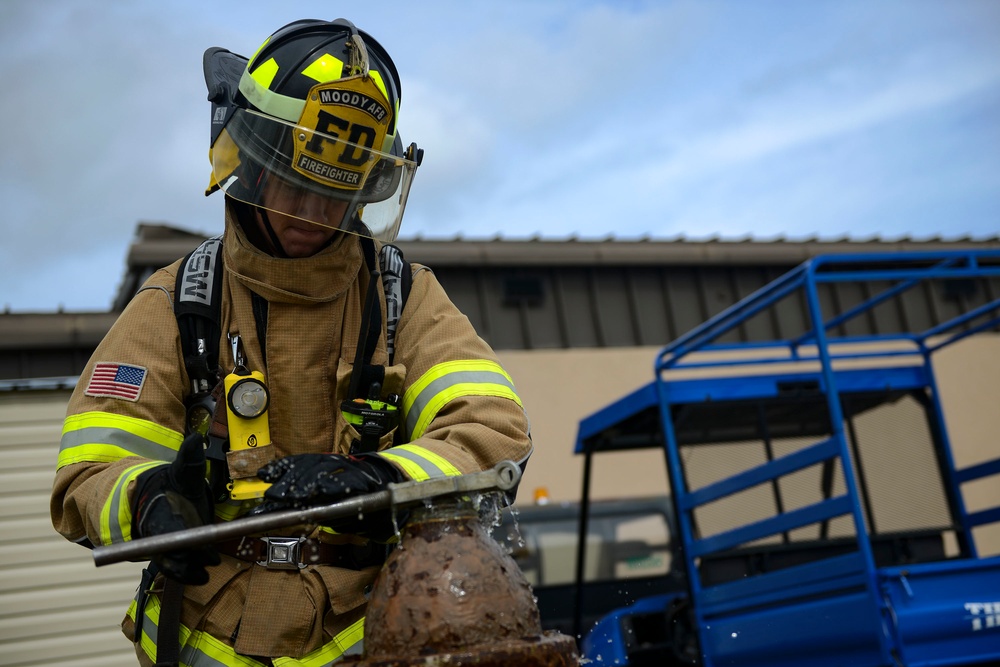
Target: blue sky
(737, 119)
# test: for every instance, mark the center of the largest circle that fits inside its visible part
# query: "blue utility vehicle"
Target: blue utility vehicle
(821, 515)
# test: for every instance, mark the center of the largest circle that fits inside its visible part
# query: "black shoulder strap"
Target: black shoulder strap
(396, 281)
(197, 305)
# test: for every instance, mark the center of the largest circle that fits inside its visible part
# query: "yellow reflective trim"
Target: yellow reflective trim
(145, 641)
(202, 642)
(104, 437)
(443, 464)
(228, 510)
(118, 505)
(326, 654)
(141, 427)
(265, 73)
(91, 454)
(325, 68)
(199, 642)
(152, 618)
(456, 391)
(412, 470)
(442, 369)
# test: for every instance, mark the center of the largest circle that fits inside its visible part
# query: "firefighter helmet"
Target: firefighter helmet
(316, 108)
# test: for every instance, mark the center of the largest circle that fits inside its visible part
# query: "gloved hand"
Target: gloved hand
(174, 497)
(307, 480)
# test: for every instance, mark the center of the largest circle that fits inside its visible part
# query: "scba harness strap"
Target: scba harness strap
(198, 305)
(198, 308)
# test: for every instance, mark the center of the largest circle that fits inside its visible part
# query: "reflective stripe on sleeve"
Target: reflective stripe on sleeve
(199, 649)
(116, 515)
(105, 437)
(448, 381)
(230, 509)
(419, 462)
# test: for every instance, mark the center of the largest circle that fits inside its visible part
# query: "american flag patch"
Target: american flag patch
(116, 381)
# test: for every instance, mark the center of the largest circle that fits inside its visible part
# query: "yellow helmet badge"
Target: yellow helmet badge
(342, 123)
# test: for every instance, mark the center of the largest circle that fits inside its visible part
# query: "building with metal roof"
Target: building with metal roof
(532, 294)
(576, 322)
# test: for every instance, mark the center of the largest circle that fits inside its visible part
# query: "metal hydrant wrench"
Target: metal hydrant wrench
(502, 477)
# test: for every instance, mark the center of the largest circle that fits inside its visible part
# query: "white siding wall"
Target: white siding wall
(56, 607)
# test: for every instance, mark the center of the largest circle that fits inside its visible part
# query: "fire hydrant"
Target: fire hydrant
(450, 595)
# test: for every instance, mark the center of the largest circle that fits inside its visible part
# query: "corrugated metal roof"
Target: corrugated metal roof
(157, 245)
(521, 294)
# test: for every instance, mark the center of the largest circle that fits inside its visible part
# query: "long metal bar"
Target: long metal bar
(961, 319)
(835, 408)
(723, 322)
(954, 338)
(502, 477)
(867, 305)
(581, 547)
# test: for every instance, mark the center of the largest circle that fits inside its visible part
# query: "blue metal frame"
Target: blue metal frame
(824, 269)
(816, 354)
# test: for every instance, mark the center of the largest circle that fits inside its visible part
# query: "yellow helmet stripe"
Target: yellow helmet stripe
(265, 73)
(377, 78)
(325, 68)
(380, 82)
(257, 52)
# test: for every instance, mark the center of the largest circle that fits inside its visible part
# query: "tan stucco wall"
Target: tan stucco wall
(561, 387)
(45, 574)
(968, 375)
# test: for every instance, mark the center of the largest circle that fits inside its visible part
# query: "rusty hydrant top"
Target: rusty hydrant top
(448, 587)
(451, 590)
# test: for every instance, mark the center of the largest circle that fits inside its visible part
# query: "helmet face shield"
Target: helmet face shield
(318, 176)
(307, 128)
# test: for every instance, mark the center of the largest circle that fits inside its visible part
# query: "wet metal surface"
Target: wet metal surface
(451, 595)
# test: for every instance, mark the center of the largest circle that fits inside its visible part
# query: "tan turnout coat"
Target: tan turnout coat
(314, 315)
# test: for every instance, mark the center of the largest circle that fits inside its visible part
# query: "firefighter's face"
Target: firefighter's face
(298, 236)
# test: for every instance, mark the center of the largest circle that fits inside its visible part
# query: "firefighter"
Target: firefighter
(359, 385)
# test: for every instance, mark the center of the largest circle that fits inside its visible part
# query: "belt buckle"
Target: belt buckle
(283, 553)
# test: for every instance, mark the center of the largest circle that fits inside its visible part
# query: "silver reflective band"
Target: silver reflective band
(283, 553)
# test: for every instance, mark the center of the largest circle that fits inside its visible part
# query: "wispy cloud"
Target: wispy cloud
(560, 118)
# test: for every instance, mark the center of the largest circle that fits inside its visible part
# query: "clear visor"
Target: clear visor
(265, 162)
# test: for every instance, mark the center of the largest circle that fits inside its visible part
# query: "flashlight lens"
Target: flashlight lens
(248, 398)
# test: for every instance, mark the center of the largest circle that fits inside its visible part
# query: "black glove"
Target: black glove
(174, 497)
(307, 480)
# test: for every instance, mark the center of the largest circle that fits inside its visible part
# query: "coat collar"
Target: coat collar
(323, 277)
